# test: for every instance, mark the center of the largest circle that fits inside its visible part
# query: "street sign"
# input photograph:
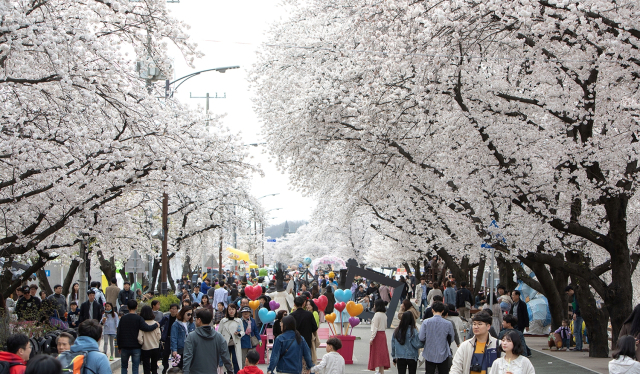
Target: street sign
(271, 240)
(48, 273)
(135, 264)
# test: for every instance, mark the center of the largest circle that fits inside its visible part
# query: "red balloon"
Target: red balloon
(340, 306)
(321, 302)
(253, 292)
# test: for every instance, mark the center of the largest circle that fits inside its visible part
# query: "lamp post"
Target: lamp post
(262, 229)
(168, 93)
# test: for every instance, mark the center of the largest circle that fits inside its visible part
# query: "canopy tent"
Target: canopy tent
(335, 263)
(238, 255)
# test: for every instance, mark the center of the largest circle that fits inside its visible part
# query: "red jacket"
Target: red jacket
(247, 370)
(14, 358)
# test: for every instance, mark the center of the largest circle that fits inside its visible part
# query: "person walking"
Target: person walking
(577, 317)
(110, 323)
(437, 351)
(205, 303)
(127, 337)
(205, 348)
(513, 360)
(288, 349)
(508, 325)
(479, 352)
(631, 326)
(196, 296)
(74, 295)
(251, 337)
(165, 339)
(520, 311)
(435, 291)
(179, 331)
(407, 306)
(59, 300)
(150, 342)
(95, 362)
(125, 295)
(112, 292)
(624, 357)
(28, 307)
(155, 308)
(305, 321)
(406, 344)
(221, 295)
(91, 309)
(231, 329)
(17, 354)
(449, 294)
(378, 350)
(464, 300)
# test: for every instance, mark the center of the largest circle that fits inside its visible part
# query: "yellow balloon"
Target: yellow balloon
(332, 275)
(354, 309)
(330, 317)
(254, 304)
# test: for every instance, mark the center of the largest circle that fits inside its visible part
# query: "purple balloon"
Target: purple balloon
(274, 305)
(354, 321)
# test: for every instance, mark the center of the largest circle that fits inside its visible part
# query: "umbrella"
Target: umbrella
(252, 266)
(237, 254)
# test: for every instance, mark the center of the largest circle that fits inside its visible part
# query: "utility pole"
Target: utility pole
(83, 277)
(165, 236)
(208, 97)
(220, 257)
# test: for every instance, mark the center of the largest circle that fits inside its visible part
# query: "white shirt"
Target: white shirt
(624, 364)
(220, 296)
(332, 363)
(520, 365)
(378, 323)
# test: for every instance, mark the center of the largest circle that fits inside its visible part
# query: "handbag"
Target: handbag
(254, 341)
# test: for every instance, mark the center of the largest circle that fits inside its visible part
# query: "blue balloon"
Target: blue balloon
(343, 295)
(266, 316)
(238, 303)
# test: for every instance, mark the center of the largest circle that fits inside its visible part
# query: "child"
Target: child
(565, 334)
(110, 322)
(513, 360)
(365, 306)
(73, 315)
(332, 362)
(250, 363)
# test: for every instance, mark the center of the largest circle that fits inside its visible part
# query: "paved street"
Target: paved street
(545, 362)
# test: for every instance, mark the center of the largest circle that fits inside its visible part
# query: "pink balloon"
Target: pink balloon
(354, 321)
(340, 306)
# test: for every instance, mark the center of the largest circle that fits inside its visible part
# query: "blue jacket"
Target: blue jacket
(410, 348)
(245, 342)
(178, 335)
(289, 362)
(97, 362)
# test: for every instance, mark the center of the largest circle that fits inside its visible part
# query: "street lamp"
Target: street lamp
(271, 194)
(168, 93)
(270, 210)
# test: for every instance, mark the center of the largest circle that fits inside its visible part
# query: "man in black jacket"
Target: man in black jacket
(127, 337)
(305, 321)
(125, 295)
(28, 307)
(463, 296)
(519, 310)
(165, 339)
(91, 309)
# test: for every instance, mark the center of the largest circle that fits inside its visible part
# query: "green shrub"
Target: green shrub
(166, 301)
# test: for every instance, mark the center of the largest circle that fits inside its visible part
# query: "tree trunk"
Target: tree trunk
(460, 272)
(9, 286)
(108, 267)
(123, 274)
(596, 319)
(68, 279)
(407, 267)
(154, 277)
(170, 278)
(548, 286)
(505, 271)
(427, 272)
(43, 281)
(416, 273)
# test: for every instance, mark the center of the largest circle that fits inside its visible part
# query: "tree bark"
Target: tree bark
(479, 275)
(416, 267)
(154, 278)
(460, 272)
(596, 319)
(406, 267)
(505, 271)
(68, 279)
(108, 267)
(43, 281)
(9, 285)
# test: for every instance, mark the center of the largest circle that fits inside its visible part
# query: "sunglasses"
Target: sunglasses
(189, 314)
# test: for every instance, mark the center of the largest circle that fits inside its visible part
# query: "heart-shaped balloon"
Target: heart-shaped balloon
(330, 317)
(253, 292)
(354, 309)
(266, 316)
(343, 295)
(339, 306)
(321, 302)
(254, 304)
(354, 321)
(273, 305)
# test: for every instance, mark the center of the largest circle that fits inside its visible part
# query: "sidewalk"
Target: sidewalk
(577, 359)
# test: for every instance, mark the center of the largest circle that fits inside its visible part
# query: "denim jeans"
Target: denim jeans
(135, 360)
(577, 331)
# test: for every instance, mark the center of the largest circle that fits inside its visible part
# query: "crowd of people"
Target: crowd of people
(213, 326)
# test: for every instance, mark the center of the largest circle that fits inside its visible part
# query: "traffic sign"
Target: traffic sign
(48, 272)
(271, 240)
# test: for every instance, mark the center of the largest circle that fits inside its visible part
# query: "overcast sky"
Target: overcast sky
(229, 33)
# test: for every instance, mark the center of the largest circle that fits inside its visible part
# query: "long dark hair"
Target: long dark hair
(113, 311)
(379, 306)
(626, 346)
(514, 337)
(289, 324)
(634, 319)
(75, 296)
(206, 297)
(407, 304)
(406, 323)
(147, 313)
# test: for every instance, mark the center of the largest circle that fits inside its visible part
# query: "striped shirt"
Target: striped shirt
(434, 333)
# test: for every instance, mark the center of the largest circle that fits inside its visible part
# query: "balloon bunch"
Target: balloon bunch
(353, 309)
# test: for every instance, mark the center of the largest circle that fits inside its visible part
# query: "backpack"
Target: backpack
(74, 363)
(5, 367)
